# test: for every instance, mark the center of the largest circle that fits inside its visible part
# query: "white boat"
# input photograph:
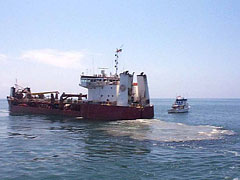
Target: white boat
(180, 105)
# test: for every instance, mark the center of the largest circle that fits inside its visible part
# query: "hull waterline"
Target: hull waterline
(90, 111)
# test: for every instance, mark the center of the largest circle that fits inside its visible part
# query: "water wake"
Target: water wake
(163, 131)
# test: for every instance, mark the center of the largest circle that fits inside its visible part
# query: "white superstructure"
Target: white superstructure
(125, 89)
(117, 89)
(101, 88)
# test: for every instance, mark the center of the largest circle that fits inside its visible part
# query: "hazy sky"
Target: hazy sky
(185, 47)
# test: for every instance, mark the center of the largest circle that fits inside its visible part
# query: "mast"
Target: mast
(116, 60)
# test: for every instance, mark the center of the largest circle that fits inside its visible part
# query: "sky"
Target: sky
(186, 47)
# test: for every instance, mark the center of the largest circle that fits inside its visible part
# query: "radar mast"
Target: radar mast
(116, 60)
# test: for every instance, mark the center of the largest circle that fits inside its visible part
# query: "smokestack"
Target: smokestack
(143, 92)
(125, 89)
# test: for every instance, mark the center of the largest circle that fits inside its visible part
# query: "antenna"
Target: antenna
(102, 68)
(17, 86)
(93, 65)
(116, 60)
(16, 83)
(103, 71)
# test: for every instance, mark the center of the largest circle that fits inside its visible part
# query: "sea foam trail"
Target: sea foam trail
(154, 129)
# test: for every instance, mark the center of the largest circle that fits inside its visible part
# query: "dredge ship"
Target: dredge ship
(114, 97)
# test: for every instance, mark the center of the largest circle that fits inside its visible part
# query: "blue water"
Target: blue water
(202, 144)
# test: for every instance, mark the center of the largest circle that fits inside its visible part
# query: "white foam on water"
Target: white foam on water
(234, 152)
(3, 112)
(154, 129)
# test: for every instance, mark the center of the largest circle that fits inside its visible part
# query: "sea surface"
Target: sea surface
(202, 144)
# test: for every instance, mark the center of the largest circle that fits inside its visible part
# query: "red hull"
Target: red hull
(90, 111)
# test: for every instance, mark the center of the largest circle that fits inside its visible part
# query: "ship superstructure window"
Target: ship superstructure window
(86, 80)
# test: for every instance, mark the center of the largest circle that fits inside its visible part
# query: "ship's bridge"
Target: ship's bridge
(101, 88)
(98, 81)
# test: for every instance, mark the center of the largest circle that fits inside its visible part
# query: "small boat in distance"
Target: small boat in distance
(180, 105)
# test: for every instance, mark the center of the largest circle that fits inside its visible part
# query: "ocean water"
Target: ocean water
(202, 144)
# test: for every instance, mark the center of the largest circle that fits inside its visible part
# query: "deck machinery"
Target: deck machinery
(114, 97)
